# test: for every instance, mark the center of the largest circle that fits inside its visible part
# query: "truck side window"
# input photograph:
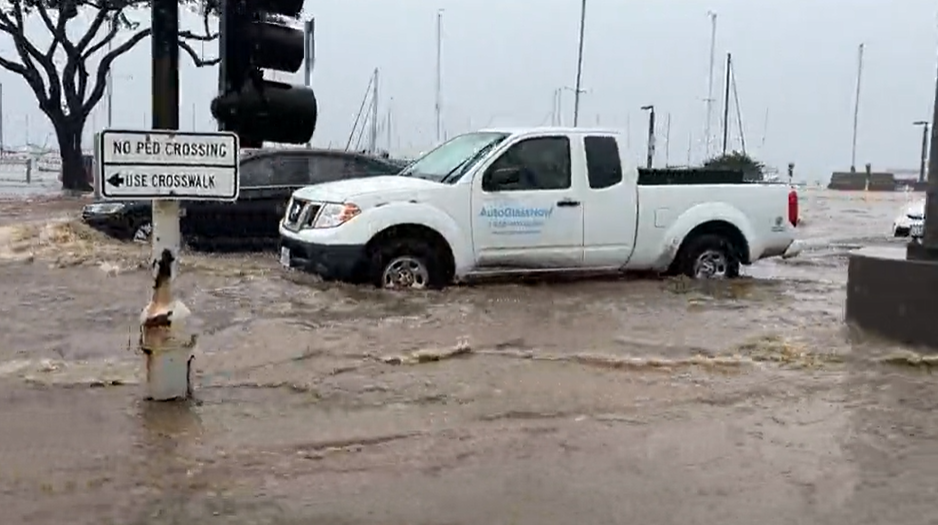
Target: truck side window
(544, 163)
(603, 162)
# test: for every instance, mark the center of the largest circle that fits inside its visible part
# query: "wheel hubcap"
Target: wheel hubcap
(711, 264)
(143, 232)
(406, 272)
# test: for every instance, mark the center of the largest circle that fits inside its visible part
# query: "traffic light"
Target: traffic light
(256, 35)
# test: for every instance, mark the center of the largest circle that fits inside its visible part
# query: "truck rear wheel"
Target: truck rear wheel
(709, 256)
(399, 264)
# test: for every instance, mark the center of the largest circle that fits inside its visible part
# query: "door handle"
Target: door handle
(568, 203)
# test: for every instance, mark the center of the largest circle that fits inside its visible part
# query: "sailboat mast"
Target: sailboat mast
(358, 115)
(726, 101)
(373, 142)
(765, 127)
(739, 113)
(667, 141)
(690, 145)
(713, 48)
(387, 125)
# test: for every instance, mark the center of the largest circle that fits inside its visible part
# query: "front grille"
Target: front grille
(301, 214)
(295, 211)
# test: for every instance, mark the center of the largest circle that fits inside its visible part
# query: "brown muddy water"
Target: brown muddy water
(596, 402)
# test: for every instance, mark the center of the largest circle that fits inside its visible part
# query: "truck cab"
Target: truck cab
(515, 201)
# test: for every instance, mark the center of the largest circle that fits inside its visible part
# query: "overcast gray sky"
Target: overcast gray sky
(502, 59)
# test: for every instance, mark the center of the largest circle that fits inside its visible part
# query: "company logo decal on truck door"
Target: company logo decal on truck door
(516, 220)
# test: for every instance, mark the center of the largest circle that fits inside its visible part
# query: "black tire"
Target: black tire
(393, 251)
(713, 247)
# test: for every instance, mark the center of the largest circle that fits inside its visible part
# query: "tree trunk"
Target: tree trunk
(74, 175)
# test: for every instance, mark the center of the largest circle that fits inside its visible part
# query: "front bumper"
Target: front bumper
(341, 262)
(794, 249)
(903, 226)
(906, 228)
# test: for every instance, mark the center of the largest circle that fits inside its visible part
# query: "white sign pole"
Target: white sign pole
(165, 339)
(166, 167)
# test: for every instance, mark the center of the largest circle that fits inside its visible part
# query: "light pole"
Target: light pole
(579, 67)
(438, 106)
(651, 134)
(928, 248)
(894, 296)
(856, 110)
(924, 155)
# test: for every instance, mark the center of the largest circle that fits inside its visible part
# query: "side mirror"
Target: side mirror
(504, 177)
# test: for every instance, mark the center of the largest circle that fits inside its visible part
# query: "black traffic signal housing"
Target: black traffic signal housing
(254, 37)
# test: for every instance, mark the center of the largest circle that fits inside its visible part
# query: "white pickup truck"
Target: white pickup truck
(517, 201)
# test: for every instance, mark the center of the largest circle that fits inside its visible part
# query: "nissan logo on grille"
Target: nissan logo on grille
(295, 209)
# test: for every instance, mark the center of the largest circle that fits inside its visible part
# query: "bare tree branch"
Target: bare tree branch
(105, 66)
(108, 38)
(189, 35)
(68, 93)
(13, 25)
(196, 59)
(94, 27)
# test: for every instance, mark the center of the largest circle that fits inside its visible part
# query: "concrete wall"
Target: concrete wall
(857, 181)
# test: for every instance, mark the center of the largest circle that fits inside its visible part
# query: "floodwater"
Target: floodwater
(597, 402)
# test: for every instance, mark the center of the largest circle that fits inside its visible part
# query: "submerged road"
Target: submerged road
(596, 402)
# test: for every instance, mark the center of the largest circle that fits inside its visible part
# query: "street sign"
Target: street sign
(155, 164)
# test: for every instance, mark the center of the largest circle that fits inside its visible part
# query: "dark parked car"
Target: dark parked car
(268, 179)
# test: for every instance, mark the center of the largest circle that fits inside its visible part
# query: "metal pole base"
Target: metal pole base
(169, 375)
(169, 351)
(164, 338)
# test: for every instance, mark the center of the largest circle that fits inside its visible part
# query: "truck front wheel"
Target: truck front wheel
(709, 256)
(406, 264)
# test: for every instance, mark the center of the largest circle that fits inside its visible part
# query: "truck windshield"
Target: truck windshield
(451, 160)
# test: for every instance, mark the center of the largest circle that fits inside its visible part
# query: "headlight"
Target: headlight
(333, 215)
(106, 208)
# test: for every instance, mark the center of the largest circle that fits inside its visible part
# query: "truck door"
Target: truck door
(526, 211)
(611, 205)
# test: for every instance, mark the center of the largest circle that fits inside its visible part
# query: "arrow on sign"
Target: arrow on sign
(116, 180)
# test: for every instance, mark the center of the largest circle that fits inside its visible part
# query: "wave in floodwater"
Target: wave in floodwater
(758, 352)
(67, 242)
(755, 354)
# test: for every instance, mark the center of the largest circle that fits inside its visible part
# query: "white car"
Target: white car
(517, 201)
(910, 220)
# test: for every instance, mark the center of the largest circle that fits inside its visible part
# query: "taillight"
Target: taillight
(793, 207)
